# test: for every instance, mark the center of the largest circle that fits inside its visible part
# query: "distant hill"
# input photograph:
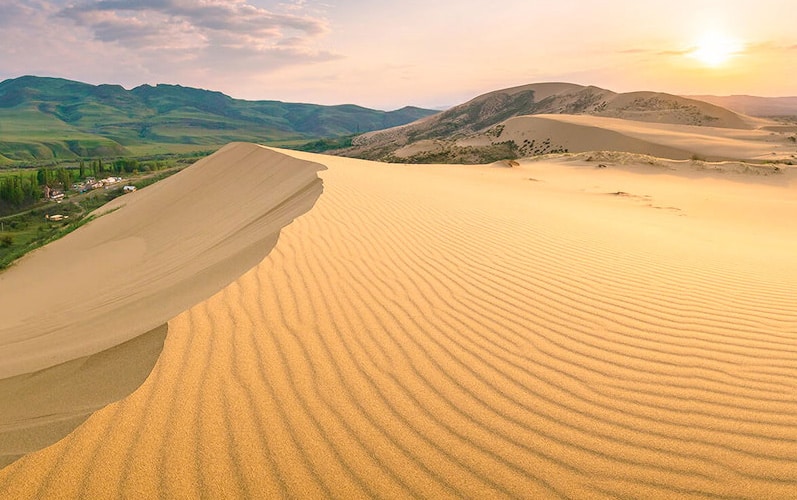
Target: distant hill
(752, 105)
(43, 118)
(484, 113)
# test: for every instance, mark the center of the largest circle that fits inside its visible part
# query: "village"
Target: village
(89, 184)
(61, 207)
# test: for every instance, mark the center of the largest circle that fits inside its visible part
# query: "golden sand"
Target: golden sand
(549, 330)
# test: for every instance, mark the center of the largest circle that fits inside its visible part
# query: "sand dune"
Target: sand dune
(66, 308)
(579, 133)
(485, 115)
(552, 330)
(753, 105)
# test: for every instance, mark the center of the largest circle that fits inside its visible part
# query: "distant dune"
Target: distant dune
(548, 330)
(540, 134)
(432, 139)
(753, 105)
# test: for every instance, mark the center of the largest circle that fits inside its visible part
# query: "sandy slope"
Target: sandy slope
(578, 133)
(485, 114)
(754, 105)
(68, 308)
(550, 330)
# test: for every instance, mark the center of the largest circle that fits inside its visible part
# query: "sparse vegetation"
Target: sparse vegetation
(468, 155)
(531, 147)
(496, 131)
(328, 144)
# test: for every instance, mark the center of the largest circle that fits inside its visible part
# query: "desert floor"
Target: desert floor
(548, 330)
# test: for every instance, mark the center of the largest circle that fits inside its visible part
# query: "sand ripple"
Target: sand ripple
(445, 332)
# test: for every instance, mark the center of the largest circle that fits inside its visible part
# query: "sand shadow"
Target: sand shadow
(37, 409)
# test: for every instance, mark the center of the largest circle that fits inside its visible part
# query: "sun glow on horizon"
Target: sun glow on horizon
(715, 49)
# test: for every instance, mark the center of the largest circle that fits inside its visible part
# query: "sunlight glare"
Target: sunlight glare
(715, 49)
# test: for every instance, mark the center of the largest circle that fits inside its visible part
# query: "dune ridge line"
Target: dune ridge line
(75, 314)
(183, 239)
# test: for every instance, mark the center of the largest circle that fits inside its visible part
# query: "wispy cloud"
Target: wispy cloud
(679, 52)
(233, 24)
(173, 39)
(772, 47)
(658, 52)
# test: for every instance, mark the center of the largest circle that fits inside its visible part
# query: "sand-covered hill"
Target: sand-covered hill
(73, 312)
(543, 134)
(754, 105)
(483, 114)
(550, 330)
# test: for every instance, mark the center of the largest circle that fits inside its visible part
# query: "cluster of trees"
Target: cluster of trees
(25, 189)
(19, 190)
(122, 165)
(55, 177)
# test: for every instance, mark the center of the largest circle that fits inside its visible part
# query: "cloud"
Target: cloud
(657, 52)
(772, 46)
(135, 41)
(681, 52)
(232, 22)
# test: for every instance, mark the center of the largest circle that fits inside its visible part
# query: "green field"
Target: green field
(21, 233)
(31, 228)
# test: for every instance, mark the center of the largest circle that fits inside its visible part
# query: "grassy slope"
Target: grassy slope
(50, 118)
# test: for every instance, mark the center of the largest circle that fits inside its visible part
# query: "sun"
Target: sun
(715, 49)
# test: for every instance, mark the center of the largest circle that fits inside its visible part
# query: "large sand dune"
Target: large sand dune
(580, 133)
(549, 330)
(71, 311)
(485, 116)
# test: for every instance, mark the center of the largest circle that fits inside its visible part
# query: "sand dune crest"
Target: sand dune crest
(67, 307)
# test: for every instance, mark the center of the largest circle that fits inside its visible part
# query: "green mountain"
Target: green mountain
(47, 118)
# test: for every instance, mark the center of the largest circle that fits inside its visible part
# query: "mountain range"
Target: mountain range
(52, 118)
(45, 118)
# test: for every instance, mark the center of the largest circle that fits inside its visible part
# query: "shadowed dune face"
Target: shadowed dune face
(464, 332)
(37, 409)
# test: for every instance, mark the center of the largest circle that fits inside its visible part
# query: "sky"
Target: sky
(388, 54)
